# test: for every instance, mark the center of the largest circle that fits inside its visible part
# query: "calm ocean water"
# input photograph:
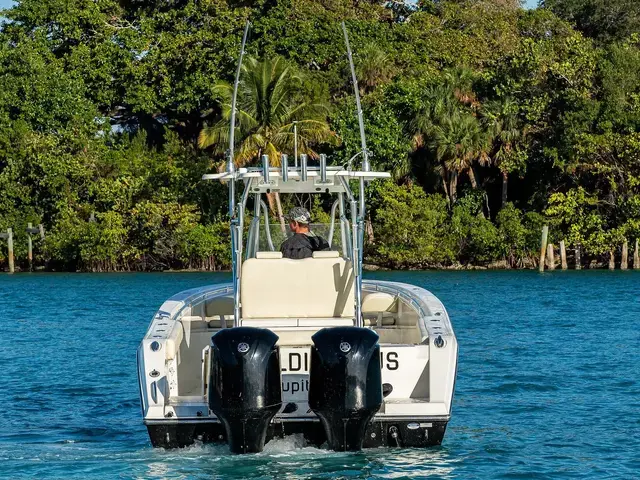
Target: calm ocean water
(548, 382)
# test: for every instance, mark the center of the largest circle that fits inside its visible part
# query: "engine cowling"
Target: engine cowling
(245, 388)
(345, 383)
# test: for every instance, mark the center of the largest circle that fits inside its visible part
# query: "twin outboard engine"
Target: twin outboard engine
(345, 383)
(245, 389)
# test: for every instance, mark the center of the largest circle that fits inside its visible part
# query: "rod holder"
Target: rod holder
(284, 163)
(323, 168)
(265, 168)
(295, 144)
(303, 166)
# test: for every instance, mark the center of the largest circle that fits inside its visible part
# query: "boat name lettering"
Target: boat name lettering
(299, 361)
(391, 360)
(295, 386)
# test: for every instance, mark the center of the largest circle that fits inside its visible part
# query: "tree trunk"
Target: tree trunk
(472, 177)
(505, 180)
(283, 226)
(369, 229)
(444, 185)
(453, 187)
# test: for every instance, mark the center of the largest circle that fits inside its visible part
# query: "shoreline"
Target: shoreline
(367, 267)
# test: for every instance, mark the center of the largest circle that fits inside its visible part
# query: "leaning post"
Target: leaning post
(636, 257)
(543, 247)
(578, 258)
(563, 255)
(625, 256)
(551, 257)
(612, 260)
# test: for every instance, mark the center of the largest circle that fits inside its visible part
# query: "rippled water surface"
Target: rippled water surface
(547, 383)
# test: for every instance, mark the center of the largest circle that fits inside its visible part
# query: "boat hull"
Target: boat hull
(418, 365)
(379, 433)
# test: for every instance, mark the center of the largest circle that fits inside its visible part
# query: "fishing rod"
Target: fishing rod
(236, 227)
(357, 217)
(231, 168)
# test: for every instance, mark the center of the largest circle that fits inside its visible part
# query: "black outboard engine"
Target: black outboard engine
(345, 384)
(245, 389)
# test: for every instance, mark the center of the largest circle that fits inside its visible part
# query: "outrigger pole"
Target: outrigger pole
(231, 169)
(358, 217)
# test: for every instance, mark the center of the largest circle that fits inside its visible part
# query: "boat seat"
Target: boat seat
(220, 321)
(219, 306)
(274, 323)
(325, 254)
(379, 309)
(270, 255)
(172, 344)
(320, 287)
(198, 323)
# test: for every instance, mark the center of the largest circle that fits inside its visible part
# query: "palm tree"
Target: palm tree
(451, 130)
(459, 142)
(374, 67)
(460, 81)
(269, 105)
(504, 126)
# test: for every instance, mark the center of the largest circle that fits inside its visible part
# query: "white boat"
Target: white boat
(298, 346)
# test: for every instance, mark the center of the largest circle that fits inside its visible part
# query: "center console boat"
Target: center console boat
(298, 346)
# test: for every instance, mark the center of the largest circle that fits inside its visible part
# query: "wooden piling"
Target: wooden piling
(636, 257)
(578, 258)
(30, 244)
(543, 247)
(551, 260)
(12, 267)
(563, 255)
(612, 260)
(625, 256)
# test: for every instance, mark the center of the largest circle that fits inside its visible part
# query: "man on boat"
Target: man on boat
(303, 242)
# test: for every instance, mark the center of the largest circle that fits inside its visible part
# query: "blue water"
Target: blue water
(547, 382)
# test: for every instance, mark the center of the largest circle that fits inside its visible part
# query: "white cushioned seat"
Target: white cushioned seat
(326, 254)
(308, 288)
(379, 302)
(173, 341)
(379, 308)
(217, 306)
(268, 254)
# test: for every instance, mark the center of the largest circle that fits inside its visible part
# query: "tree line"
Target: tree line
(493, 119)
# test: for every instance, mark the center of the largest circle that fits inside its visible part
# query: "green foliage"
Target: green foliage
(409, 227)
(103, 102)
(386, 138)
(576, 212)
(476, 237)
(269, 108)
(604, 20)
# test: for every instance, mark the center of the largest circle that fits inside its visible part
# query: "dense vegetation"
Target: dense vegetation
(493, 119)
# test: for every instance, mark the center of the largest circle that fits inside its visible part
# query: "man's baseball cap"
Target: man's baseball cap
(300, 215)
